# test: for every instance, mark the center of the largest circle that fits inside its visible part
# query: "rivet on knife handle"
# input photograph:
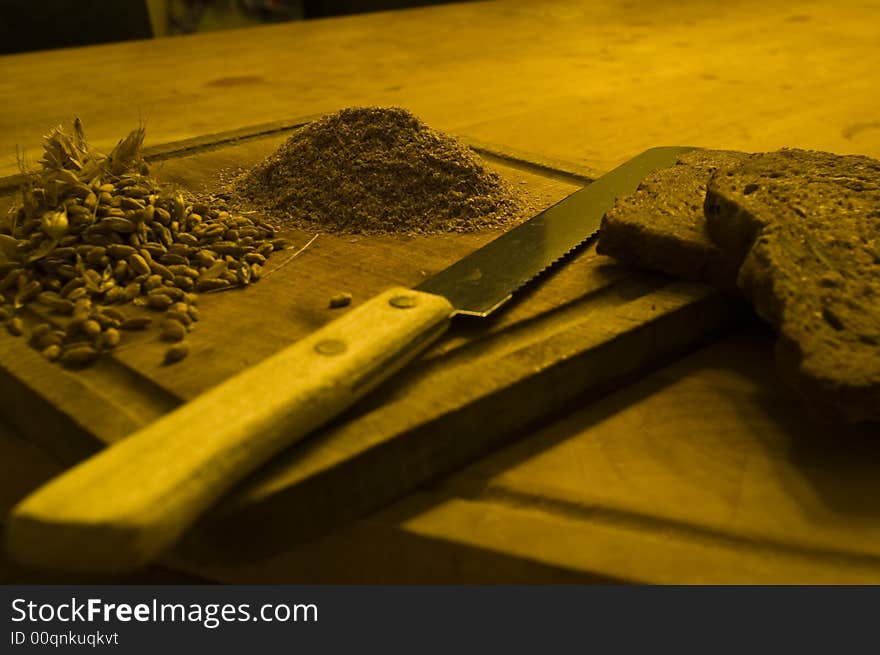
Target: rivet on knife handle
(124, 506)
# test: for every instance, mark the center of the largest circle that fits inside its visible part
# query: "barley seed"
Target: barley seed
(15, 326)
(111, 337)
(136, 323)
(78, 355)
(173, 330)
(51, 351)
(340, 300)
(176, 352)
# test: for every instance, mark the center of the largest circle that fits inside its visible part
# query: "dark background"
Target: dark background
(27, 25)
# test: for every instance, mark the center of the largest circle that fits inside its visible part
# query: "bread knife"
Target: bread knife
(126, 505)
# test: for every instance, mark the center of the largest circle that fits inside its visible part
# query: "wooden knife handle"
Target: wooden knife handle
(124, 506)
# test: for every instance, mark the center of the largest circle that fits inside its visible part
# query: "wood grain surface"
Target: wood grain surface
(123, 507)
(239, 328)
(705, 471)
(591, 326)
(587, 82)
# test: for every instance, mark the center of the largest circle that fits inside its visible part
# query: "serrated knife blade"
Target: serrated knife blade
(481, 282)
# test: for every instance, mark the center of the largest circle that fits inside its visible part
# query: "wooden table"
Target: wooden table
(707, 470)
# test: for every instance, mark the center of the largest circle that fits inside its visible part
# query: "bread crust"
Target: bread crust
(806, 226)
(796, 232)
(662, 227)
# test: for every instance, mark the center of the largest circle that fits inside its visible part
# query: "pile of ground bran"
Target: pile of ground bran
(378, 170)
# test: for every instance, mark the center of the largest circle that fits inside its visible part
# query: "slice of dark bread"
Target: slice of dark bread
(662, 227)
(806, 226)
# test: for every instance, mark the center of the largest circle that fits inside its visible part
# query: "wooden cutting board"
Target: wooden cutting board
(585, 328)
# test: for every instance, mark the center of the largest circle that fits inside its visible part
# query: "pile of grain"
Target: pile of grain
(95, 233)
(378, 170)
